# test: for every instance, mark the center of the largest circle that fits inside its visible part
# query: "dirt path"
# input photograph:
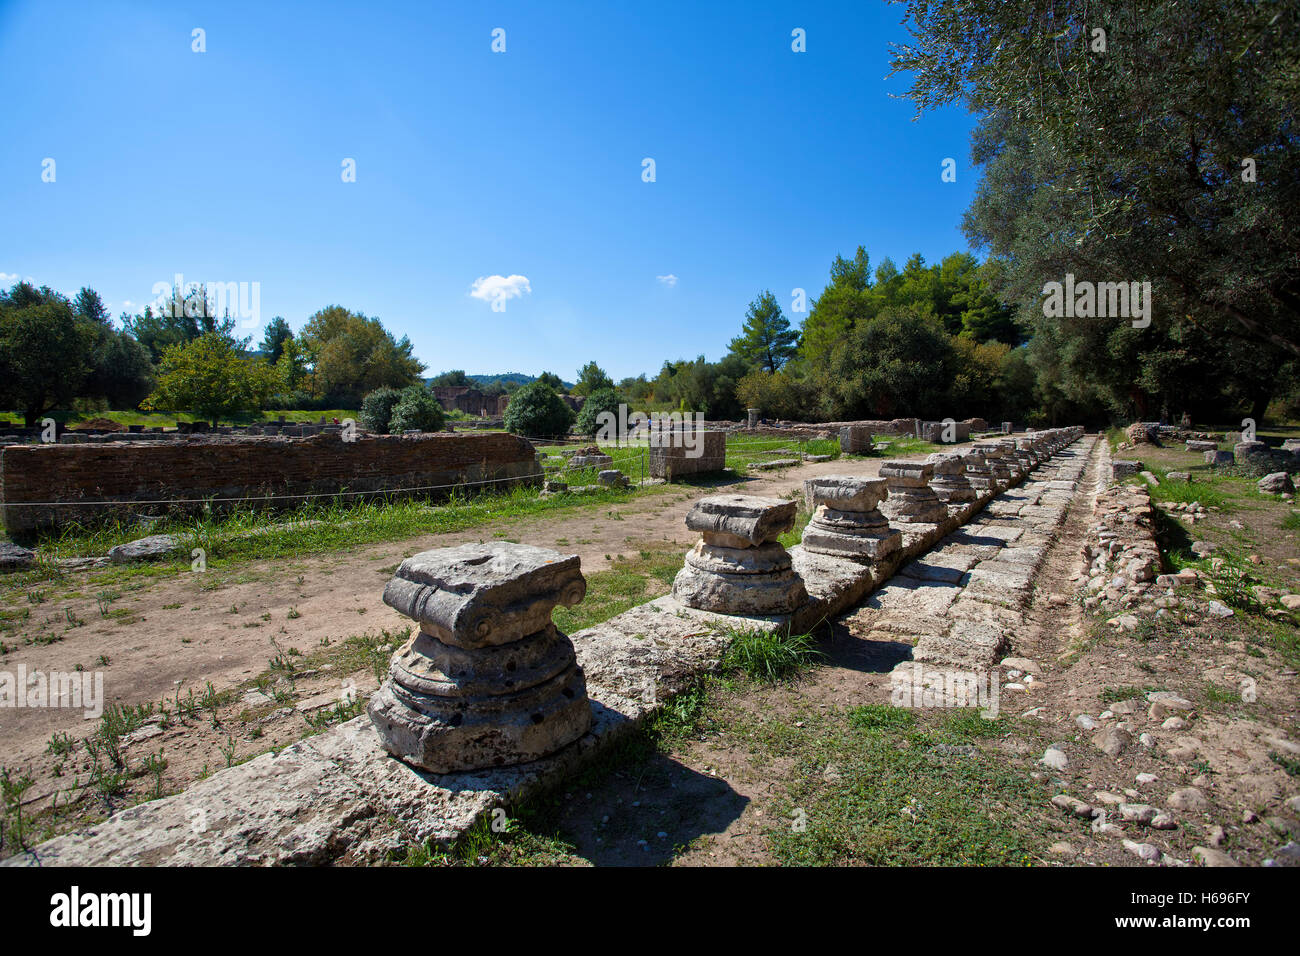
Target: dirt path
(218, 626)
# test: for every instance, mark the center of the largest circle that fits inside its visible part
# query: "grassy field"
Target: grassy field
(321, 526)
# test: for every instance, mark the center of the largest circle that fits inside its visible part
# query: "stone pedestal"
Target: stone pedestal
(950, 482)
(994, 460)
(911, 499)
(488, 681)
(1026, 454)
(978, 473)
(846, 521)
(855, 440)
(1009, 455)
(738, 566)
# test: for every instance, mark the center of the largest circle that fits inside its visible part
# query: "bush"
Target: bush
(601, 400)
(377, 409)
(417, 409)
(535, 411)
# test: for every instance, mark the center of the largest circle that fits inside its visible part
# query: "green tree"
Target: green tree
(273, 340)
(900, 362)
(87, 305)
(1164, 150)
(212, 378)
(456, 376)
(416, 409)
(45, 352)
(353, 354)
(766, 340)
(600, 401)
(377, 409)
(552, 381)
(536, 411)
(592, 378)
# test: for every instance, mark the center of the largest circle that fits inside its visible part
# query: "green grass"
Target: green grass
(904, 794)
(770, 656)
(321, 525)
(630, 582)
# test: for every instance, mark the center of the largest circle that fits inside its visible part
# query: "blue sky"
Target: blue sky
(225, 166)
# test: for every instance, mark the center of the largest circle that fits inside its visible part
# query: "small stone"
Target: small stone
(1284, 827)
(1062, 849)
(1112, 742)
(1137, 812)
(1216, 609)
(144, 549)
(1073, 806)
(1217, 836)
(1145, 778)
(1143, 851)
(1277, 483)
(1206, 856)
(1084, 722)
(1174, 723)
(1055, 759)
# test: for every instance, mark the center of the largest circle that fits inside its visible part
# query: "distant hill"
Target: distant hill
(518, 377)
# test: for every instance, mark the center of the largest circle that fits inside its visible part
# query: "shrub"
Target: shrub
(601, 400)
(417, 409)
(377, 409)
(535, 411)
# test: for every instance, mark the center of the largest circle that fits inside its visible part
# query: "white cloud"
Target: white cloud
(669, 280)
(491, 288)
(8, 278)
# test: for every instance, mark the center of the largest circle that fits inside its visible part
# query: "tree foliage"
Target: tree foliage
(212, 378)
(766, 340)
(353, 354)
(536, 411)
(1165, 148)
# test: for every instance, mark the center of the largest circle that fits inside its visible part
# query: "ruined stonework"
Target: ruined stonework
(738, 566)
(855, 440)
(911, 499)
(488, 681)
(978, 472)
(993, 454)
(674, 453)
(950, 482)
(1010, 456)
(846, 521)
(97, 481)
(1026, 454)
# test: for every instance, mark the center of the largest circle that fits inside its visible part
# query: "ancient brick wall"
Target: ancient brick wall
(86, 481)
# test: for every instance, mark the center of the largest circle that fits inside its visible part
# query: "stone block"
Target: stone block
(488, 681)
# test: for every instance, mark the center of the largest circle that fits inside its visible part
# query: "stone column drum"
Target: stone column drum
(738, 566)
(1008, 446)
(950, 482)
(978, 473)
(1026, 455)
(488, 681)
(911, 499)
(846, 521)
(993, 457)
